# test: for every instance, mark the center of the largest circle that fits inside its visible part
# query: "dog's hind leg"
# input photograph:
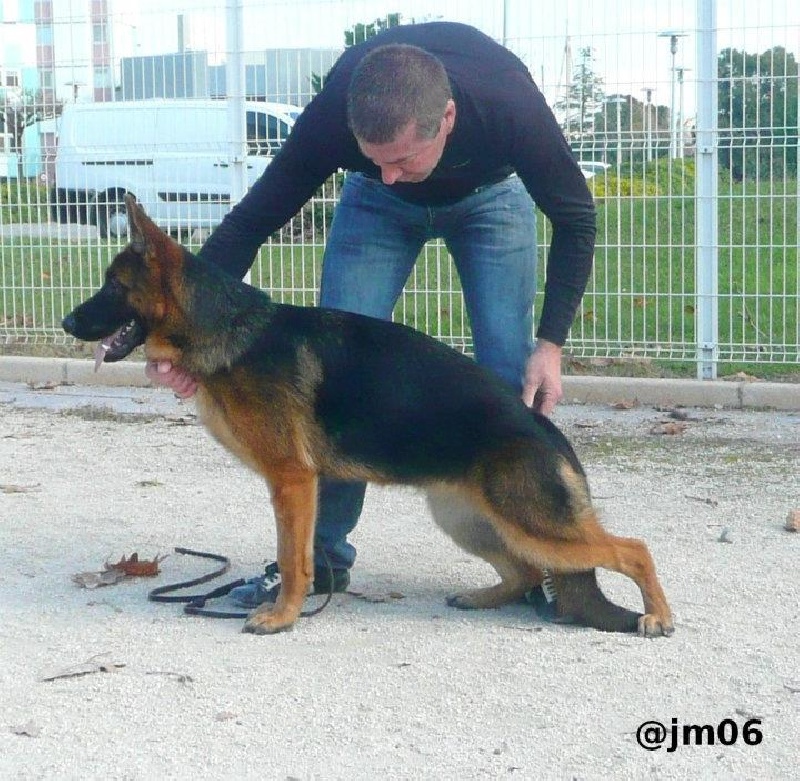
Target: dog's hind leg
(580, 600)
(475, 534)
(590, 546)
(294, 497)
(542, 510)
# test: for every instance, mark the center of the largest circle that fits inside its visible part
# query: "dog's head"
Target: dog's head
(133, 300)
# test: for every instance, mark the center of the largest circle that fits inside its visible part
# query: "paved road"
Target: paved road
(387, 681)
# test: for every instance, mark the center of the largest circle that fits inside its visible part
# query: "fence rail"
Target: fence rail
(684, 117)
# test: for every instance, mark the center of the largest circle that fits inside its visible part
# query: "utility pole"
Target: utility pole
(673, 36)
(648, 123)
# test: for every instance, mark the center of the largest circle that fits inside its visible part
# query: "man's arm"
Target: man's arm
(286, 185)
(319, 144)
(547, 167)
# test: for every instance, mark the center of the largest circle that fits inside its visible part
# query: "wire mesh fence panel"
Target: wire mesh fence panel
(99, 98)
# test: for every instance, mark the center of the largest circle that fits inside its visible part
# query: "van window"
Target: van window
(265, 133)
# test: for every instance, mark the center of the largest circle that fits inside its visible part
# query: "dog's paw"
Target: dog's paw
(266, 622)
(652, 626)
(485, 598)
(461, 601)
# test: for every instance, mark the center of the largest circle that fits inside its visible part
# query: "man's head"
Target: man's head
(400, 109)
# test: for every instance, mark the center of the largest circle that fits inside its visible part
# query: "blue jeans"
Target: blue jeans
(372, 246)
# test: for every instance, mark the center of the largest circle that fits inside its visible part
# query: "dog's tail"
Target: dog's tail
(580, 601)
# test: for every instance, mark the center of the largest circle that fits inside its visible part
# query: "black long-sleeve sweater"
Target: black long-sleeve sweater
(503, 125)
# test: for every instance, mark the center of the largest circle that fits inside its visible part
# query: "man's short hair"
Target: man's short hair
(393, 85)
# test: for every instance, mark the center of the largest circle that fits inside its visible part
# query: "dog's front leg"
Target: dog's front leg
(295, 501)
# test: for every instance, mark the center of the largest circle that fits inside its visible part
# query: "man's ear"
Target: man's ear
(450, 116)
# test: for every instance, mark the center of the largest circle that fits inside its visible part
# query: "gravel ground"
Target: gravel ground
(387, 681)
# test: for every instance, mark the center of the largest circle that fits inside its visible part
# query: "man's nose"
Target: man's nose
(390, 173)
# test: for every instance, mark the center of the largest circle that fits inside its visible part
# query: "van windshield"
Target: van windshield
(265, 133)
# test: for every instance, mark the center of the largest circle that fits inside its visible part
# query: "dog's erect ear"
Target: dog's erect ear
(136, 217)
(145, 234)
(147, 239)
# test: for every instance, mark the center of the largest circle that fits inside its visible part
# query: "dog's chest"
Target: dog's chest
(219, 424)
(262, 438)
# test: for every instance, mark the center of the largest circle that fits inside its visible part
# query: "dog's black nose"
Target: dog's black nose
(69, 324)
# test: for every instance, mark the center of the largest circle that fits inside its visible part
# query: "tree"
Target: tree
(583, 99)
(758, 120)
(359, 33)
(363, 32)
(21, 109)
(632, 132)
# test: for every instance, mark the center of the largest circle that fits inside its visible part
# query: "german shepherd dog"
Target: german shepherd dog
(302, 392)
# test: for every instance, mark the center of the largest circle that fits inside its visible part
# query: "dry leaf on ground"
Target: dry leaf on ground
(668, 428)
(126, 567)
(91, 580)
(8, 488)
(135, 568)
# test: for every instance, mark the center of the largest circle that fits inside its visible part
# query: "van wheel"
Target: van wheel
(112, 217)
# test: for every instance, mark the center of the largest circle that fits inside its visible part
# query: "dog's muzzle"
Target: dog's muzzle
(120, 344)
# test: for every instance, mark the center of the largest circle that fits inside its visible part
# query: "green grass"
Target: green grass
(40, 282)
(640, 302)
(642, 296)
(22, 202)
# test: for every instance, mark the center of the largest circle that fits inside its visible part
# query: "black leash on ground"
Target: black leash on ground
(195, 604)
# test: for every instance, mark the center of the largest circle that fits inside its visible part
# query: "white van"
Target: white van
(173, 155)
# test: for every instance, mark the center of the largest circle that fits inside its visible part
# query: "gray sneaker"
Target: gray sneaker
(265, 588)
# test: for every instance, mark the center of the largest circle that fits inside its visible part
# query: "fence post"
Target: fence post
(235, 90)
(706, 194)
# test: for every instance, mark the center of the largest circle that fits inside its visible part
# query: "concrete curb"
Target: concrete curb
(733, 394)
(71, 371)
(582, 390)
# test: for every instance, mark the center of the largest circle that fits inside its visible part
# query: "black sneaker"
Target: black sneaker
(264, 588)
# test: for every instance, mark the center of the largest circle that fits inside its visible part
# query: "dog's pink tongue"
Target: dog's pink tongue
(102, 348)
(100, 353)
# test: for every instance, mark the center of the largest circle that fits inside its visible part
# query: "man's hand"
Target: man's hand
(164, 373)
(542, 383)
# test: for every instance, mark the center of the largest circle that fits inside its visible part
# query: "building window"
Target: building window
(99, 32)
(44, 34)
(102, 77)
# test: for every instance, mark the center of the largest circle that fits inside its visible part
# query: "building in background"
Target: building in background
(274, 75)
(279, 75)
(90, 51)
(73, 48)
(19, 79)
(54, 52)
(179, 75)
